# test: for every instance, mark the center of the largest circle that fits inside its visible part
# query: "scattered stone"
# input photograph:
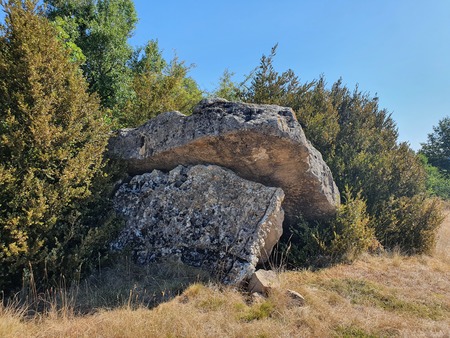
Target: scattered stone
(262, 281)
(296, 298)
(206, 216)
(261, 143)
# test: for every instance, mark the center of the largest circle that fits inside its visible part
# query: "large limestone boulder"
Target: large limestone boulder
(261, 143)
(206, 216)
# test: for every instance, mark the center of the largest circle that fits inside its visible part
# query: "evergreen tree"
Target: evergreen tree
(359, 143)
(52, 137)
(269, 87)
(320, 118)
(438, 183)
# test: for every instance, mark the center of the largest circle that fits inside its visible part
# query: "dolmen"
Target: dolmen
(212, 189)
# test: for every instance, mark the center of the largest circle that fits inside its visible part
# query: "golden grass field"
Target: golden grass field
(377, 296)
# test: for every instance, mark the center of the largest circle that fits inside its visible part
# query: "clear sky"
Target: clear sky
(397, 49)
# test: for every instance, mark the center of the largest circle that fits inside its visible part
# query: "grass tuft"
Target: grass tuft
(257, 311)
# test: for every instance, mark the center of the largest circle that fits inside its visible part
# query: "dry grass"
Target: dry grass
(443, 240)
(377, 296)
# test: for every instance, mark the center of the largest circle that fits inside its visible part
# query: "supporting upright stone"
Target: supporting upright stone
(206, 216)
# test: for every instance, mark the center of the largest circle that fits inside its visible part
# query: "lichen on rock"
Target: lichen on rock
(204, 215)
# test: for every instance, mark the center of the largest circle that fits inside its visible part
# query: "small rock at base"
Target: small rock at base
(262, 281)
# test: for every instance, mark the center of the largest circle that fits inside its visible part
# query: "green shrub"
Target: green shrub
(409, 223)
(342, 238)
(159, 87)
(351, 232)
(304, 245)
(52, 138)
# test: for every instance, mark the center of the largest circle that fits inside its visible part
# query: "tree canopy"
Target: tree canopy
(134, 83)
(100, 28)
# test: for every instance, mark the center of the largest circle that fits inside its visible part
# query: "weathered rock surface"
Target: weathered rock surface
(204, 215)
(262, 281)
(261, 143)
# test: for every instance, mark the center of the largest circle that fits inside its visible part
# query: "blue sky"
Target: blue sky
(397, 49)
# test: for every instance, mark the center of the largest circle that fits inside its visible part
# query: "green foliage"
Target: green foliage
(159, 86)
(409, 223)
(227, 89)
(134, 85)
(437, 147)
(435, 157)
(305, 244)
(351, 233)
(63, 27)
(52, 137)
(100, 28)
(320, 117)
(438, 183)
(358, 142)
